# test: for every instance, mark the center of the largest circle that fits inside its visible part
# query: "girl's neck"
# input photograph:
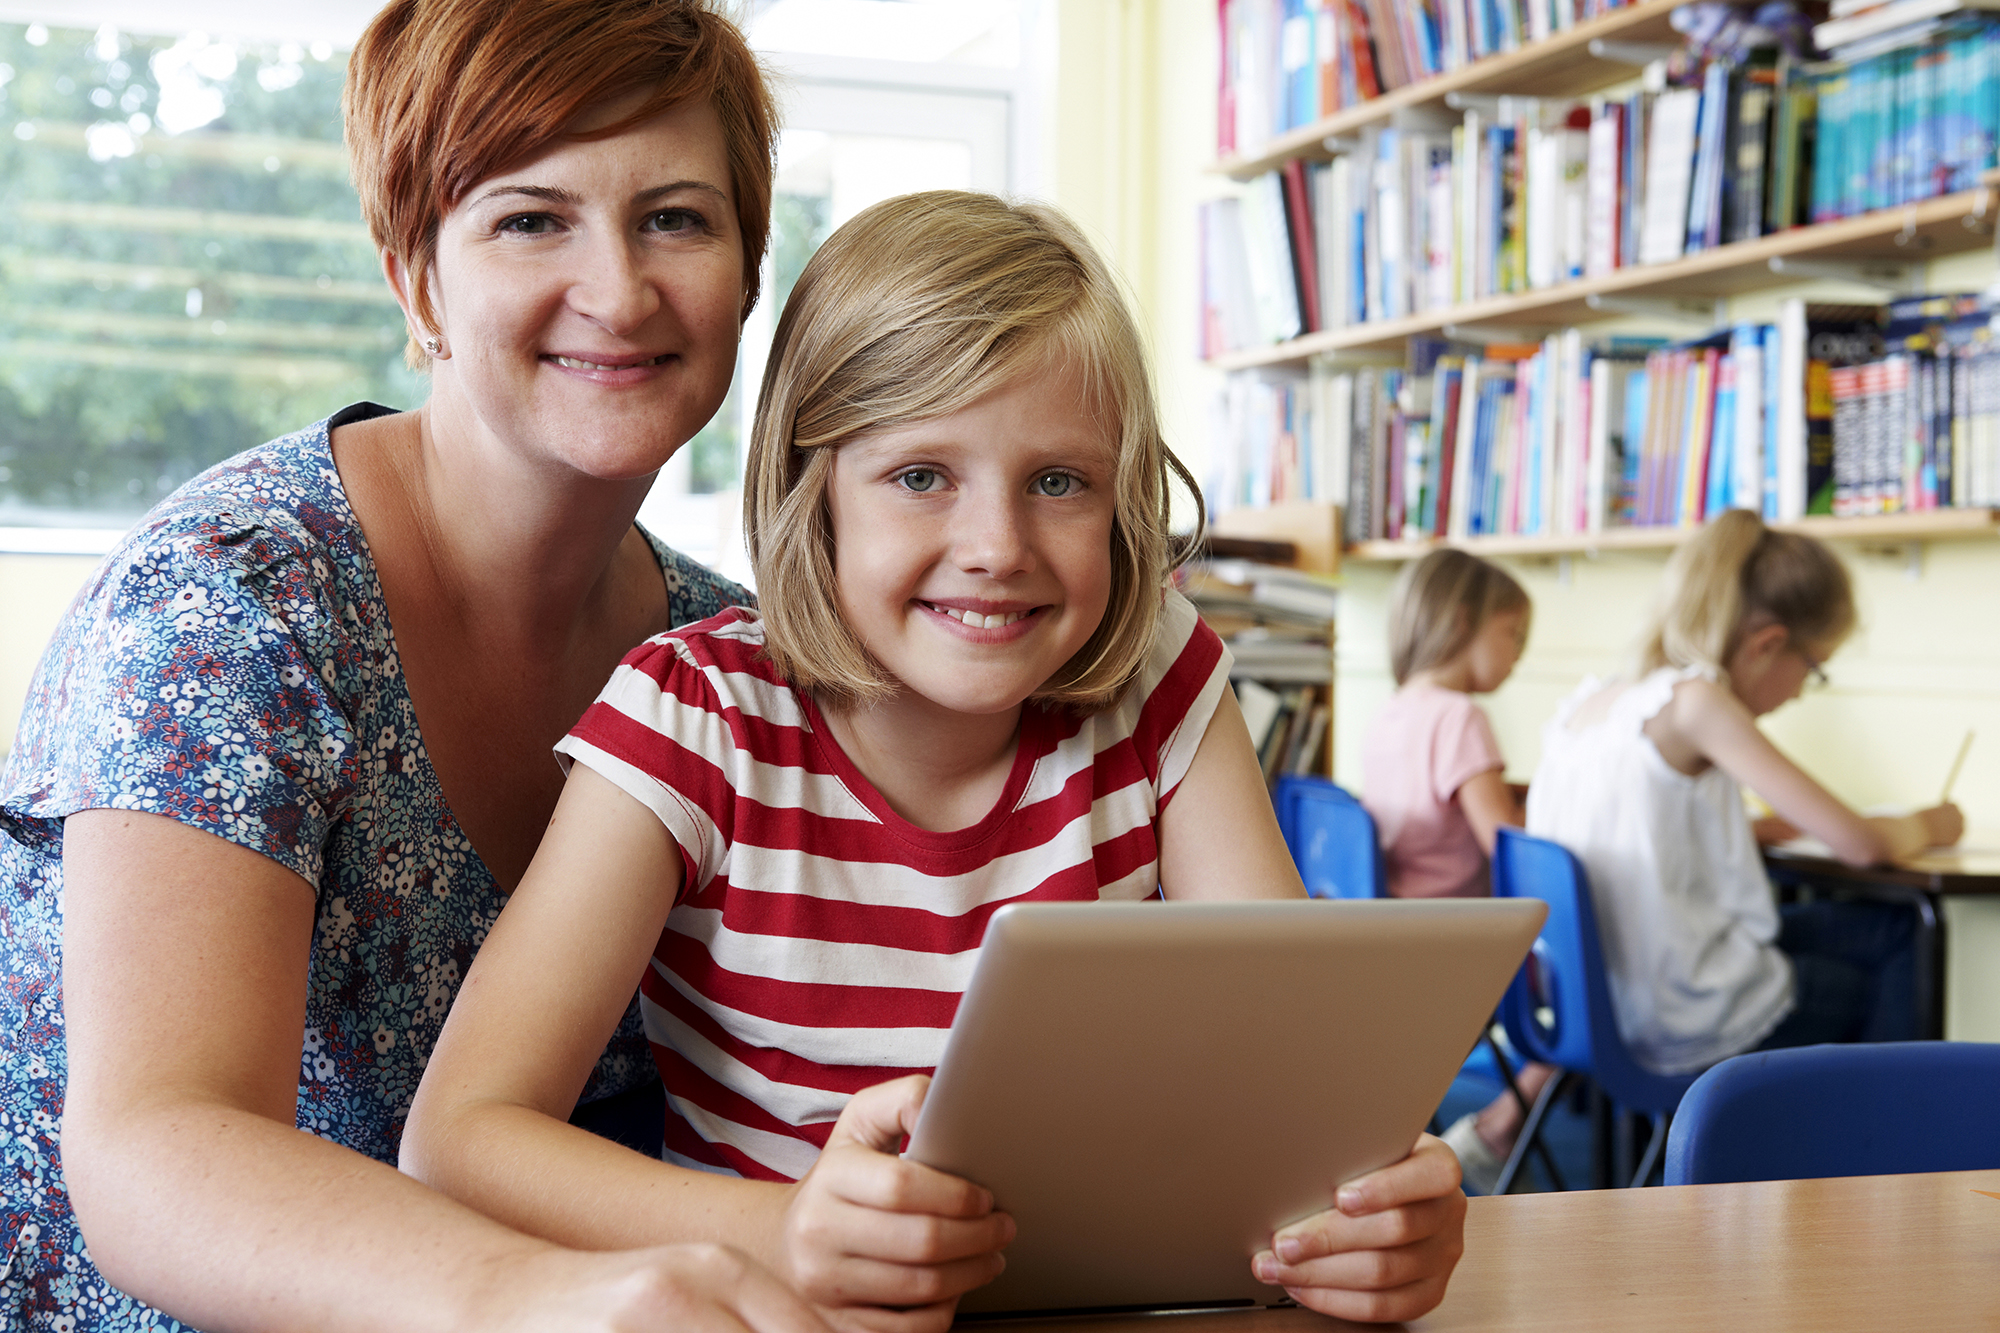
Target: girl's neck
(1453, 675)
(939, 769)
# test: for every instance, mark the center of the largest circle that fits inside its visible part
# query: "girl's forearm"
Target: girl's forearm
(567, 1185)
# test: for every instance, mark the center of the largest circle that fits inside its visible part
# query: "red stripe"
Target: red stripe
(1167, 706)
(805, 1003)
(774, 1063)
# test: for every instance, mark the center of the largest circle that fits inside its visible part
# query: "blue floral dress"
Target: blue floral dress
(231, 665)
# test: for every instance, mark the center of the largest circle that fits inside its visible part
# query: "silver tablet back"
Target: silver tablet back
(1152, 1089)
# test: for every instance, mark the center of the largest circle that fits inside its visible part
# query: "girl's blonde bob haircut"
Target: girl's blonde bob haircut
(1737, 576)
(913, 310)
(1440, 603)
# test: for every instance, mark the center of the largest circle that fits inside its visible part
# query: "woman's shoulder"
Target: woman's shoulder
(694, 591)
(278, 503)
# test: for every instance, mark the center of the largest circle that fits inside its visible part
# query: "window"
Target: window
(187, 274)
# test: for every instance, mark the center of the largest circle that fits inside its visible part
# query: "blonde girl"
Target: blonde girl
(1431, 771)
(1643, 779)
(966, 686)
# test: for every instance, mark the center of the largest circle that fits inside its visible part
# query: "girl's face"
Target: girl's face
(1494, 650)
(972, 552)
(591, 297)
(1770, 668)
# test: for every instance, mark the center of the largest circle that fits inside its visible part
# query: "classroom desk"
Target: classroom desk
(1970, 868)
(1865, 1254)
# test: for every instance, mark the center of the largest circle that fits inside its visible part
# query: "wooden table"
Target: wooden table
(1870, 1254)
(1970, 868)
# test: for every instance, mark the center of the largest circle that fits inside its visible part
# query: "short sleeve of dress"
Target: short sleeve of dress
(666, 730)
(1465, 747)
(196, 677)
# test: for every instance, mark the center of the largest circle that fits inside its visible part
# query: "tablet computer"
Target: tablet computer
(1152, 1089)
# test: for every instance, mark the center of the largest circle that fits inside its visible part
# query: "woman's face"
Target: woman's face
(591, 298)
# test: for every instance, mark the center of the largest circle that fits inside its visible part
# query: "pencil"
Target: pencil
(1951, 778)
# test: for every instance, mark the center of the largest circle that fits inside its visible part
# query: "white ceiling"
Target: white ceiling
(335, 21)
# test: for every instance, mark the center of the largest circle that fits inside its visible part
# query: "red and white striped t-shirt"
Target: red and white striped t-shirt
(821, 941)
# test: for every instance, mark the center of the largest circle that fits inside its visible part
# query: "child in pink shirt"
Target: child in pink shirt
(1431, 772)
(1432, 775)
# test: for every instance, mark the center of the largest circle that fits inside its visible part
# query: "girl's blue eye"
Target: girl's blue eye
(1055, 484)
(919, 479)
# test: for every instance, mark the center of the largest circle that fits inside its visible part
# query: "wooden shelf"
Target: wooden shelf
(1892, 237)
(1886, 529)
(1560, 66)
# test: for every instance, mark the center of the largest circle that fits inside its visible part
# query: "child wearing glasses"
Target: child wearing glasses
(1643, 779)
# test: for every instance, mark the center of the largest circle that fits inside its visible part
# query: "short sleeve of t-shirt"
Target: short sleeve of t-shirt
(666, 730)
(199, 676)
(1463, 746)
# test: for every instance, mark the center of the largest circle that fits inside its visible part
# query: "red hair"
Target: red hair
(443, 94)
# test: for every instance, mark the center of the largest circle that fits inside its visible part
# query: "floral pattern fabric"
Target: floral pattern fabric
(231, 665)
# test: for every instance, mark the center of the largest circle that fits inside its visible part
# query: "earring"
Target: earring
(433, 345)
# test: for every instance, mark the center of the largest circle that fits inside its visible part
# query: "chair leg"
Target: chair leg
(1542, 1149)
(1656, 1143)
(1530, 1134)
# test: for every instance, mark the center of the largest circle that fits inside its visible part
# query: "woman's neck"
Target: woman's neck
(939, 769)
(527, 553)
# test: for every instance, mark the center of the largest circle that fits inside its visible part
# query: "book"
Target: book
(1669, 170)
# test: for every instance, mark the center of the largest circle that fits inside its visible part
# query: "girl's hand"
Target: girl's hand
(1385, 1250)
(671, 1289)
(1943, 824)
(884, 1244)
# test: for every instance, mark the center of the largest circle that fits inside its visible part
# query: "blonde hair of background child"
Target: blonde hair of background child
(1736, 576)
(1439, 603)
(915, 309)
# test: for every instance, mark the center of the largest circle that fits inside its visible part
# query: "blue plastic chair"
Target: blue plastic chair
(1863, 1110)
(1331, 839)
(1557, 1010)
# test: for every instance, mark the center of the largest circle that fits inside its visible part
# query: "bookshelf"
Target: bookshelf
(1892, 238)
(1888, 250)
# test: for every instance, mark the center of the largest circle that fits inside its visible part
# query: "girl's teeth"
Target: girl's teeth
(978, 621)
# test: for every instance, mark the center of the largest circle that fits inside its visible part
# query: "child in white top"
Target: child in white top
(966, 684)
(1433, 778)
(1640, 779)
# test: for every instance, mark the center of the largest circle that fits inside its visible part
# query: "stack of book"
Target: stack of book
(1278, 623)
(1288, 63)
(1907, 109)
(1433, 211)
(1919, 427)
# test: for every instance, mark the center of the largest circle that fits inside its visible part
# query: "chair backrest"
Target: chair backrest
(1558, 1009)
(1331, 838)
(1862, 1110)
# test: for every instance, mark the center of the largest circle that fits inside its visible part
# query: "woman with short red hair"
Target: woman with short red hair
(291, 748)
